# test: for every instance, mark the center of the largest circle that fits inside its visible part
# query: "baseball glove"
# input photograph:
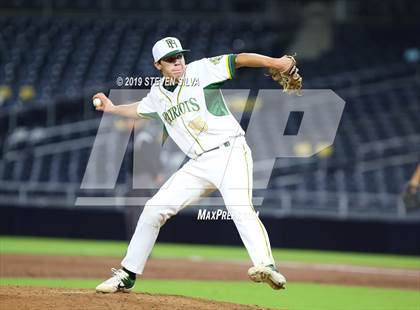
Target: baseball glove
(289, 79)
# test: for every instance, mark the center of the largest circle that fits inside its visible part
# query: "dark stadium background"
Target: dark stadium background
(54, 55)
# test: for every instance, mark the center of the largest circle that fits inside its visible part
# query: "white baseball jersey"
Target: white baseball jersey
(198, 120)
(195, 114)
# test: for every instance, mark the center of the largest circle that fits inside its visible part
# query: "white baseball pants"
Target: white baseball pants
(230, 170)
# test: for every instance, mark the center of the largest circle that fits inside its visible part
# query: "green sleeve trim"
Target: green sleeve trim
(231, 65)
(165, 135)
(152, 115)
(155, 116)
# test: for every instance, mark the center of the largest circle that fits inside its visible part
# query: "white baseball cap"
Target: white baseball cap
(167, 47)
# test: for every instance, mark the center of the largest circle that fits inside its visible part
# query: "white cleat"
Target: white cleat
(119, 282)
(268, 274)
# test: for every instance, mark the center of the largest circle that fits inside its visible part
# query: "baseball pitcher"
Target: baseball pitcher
(196, 117)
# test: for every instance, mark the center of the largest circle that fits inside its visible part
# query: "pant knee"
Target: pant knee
(155, 215)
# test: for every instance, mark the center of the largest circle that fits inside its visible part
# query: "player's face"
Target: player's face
(173, 66)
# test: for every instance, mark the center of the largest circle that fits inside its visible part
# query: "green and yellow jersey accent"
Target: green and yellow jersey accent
(215, 102)
(196, 111)
(230, 65)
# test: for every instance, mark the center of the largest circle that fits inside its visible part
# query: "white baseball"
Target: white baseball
(97, 102)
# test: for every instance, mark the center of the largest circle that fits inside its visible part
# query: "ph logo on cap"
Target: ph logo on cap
(167, 47)
(171, 43)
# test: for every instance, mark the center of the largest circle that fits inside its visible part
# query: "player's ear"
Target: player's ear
(157, 65)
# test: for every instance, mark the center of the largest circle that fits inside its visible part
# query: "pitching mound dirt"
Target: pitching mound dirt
(31, 298)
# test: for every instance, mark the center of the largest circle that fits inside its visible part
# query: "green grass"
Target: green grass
(49, 246)
(296, 296)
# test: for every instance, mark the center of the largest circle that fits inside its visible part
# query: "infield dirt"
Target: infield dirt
(99, 267)
(39, 266)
